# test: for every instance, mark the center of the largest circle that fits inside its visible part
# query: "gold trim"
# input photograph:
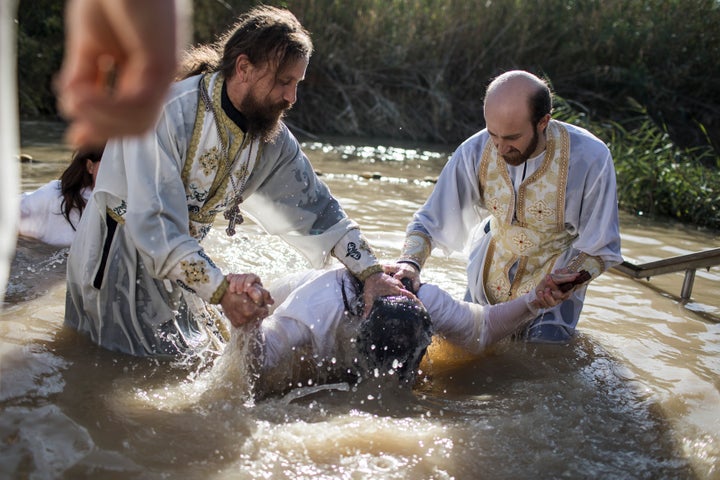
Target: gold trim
(583, 261)
(368, 272)
(197, 131)
(513, 210)
(416, 252)
(229, 129)
(484, 165)
(220, 292)
(226, 129)
(519, 274)
(114, 215)
(563, 173)
(489, 254)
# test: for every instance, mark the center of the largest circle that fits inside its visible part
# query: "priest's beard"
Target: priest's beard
(263, 120)
(516, 157)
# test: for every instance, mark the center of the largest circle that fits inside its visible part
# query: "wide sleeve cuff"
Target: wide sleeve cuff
(416, 249)
(354, 252)
(593, 265)
(220, 292)
(198, 274)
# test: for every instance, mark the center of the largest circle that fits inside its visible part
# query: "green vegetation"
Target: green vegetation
(643, 74)
(655, 177)
(39, 50)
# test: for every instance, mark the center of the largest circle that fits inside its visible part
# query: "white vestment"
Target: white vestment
(139, 280)
(571, 183)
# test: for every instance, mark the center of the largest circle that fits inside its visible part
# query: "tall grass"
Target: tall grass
(658, 178)
(417, 69)
(643, 74)
(655, 177)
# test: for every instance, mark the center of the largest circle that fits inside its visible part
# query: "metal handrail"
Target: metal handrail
(689, 263)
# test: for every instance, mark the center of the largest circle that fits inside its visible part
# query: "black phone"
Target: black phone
(582, 278)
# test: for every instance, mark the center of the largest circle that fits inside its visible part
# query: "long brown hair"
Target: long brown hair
(75, 178)
(264, 34)
(196, 60)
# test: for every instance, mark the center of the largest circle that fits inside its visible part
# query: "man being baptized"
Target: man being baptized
(317, 334)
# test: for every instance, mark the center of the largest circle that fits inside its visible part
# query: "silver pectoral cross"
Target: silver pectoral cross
(233, 216)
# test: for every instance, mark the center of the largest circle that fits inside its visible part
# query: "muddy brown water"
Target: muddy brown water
(635, 395)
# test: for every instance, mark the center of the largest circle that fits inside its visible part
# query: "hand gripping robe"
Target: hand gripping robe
(557, 210)
(139, 280)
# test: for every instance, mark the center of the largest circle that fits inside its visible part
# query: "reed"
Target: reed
(658, 178)
(647, 72)
(655, 177)
(417, 69)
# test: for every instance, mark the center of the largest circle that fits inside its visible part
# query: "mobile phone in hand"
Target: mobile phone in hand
(582, 278)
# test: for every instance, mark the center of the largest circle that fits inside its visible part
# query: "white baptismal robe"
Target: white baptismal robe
(317, 319)
(455, 216)
(41, 215)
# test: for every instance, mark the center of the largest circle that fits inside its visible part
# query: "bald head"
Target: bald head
(517, 112)
(519, 93)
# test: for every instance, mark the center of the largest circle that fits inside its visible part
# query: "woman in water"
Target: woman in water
(51, 213)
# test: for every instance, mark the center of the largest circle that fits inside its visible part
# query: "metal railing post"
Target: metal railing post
(687, 285)
(689, 263)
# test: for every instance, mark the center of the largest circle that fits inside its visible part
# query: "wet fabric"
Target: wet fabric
(318, 321)
(455, 217)
(164, 189)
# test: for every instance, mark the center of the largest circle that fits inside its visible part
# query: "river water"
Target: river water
(635, 395)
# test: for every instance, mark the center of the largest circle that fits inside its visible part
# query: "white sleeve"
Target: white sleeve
(591, 209)
(309, 315)
(34, 208)
(156, 216)
(281, 335)
(451, 211)
(472, 326)
(507, 317)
